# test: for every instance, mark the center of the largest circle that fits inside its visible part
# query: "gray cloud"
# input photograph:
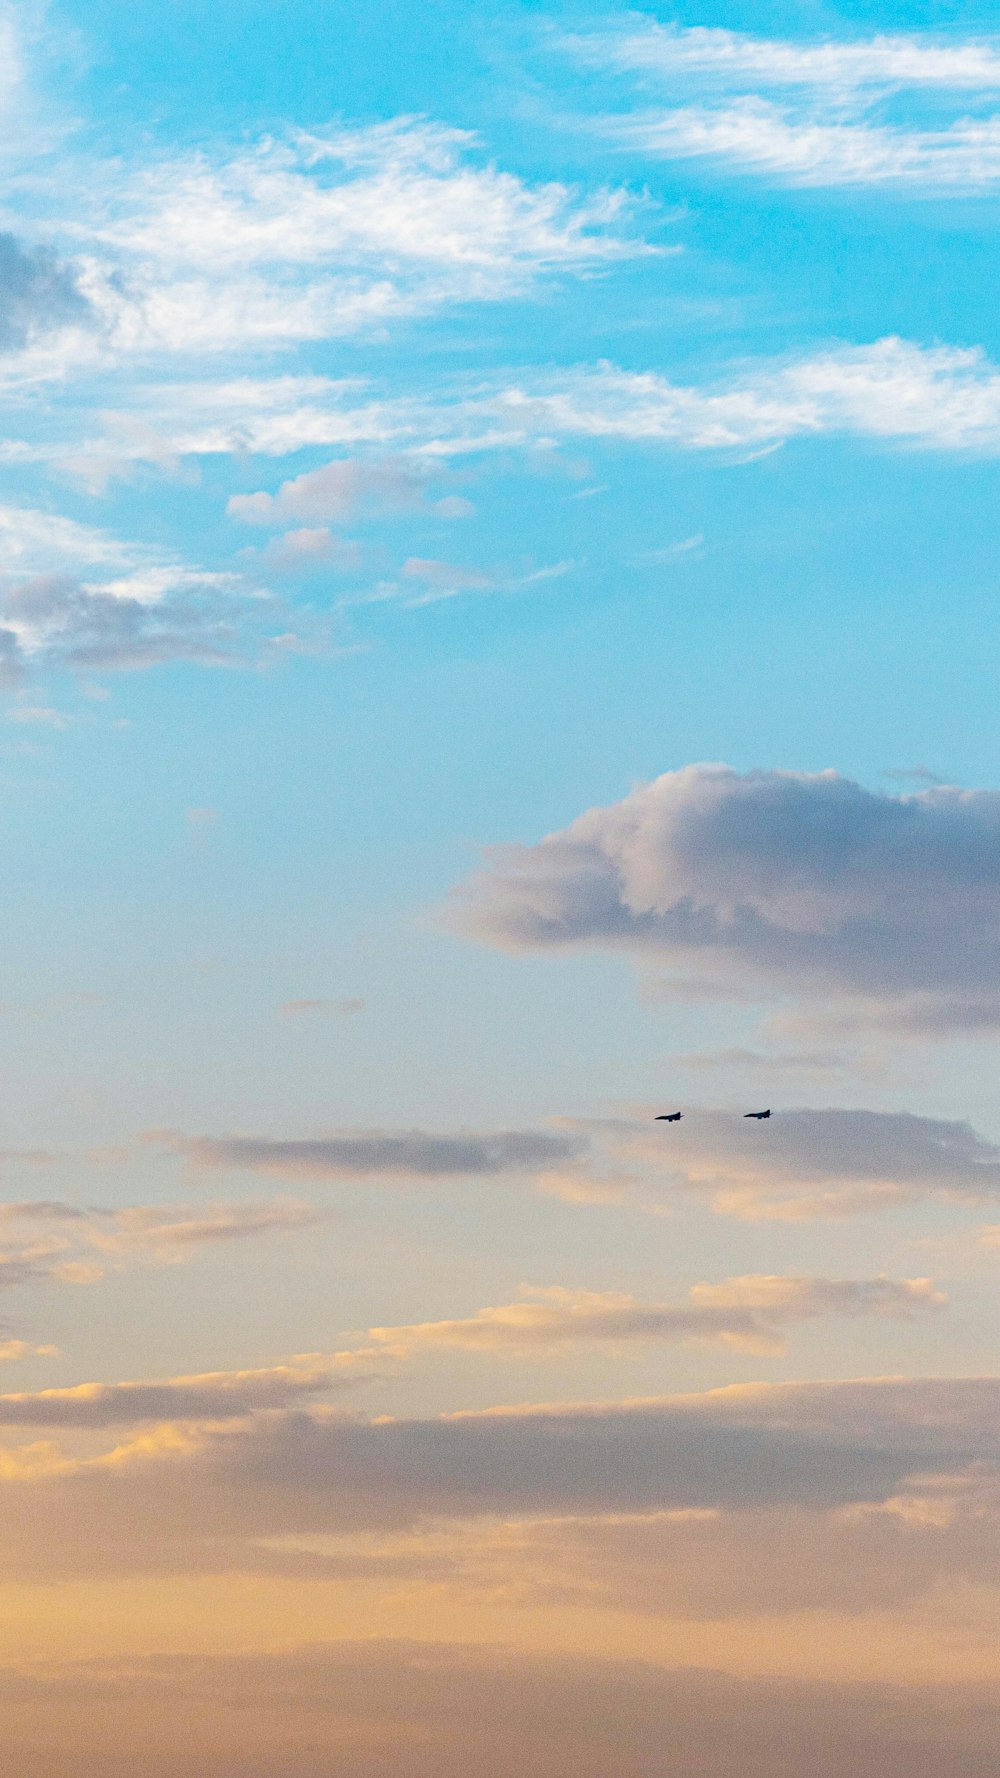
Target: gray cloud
(205, 1501)
(826, 1162)
(362, 1154)
(58, 619)
(772, 883)
(37, 293)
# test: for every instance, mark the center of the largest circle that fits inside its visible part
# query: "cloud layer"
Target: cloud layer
(746, 1313)
(401, 1709)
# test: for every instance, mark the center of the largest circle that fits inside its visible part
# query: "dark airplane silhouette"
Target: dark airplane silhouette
(757, 1113)
(669, 1117)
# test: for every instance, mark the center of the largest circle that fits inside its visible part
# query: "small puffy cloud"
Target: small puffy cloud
(75, 595)
(380, 1154)
(296, 1009)
(309, 549)
(771, 883)
(341, 490)
(442, 580)
(747, 1313)
(12, 1351)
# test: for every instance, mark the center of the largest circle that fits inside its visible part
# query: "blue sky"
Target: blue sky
(435, 442)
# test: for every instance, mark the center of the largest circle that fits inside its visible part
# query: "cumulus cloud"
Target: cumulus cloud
(746, 1313)
(309, 549)
(375, 1153)
(766, 883)
(133, 622)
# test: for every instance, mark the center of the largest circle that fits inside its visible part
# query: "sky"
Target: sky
(498, 642)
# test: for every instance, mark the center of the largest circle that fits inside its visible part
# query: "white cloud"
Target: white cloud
(731, 58)
(892, 390)
(758, 136)
(306, 237)
(802, 110)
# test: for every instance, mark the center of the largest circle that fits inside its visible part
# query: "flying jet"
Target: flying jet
(766, 1113)
(668, 1117)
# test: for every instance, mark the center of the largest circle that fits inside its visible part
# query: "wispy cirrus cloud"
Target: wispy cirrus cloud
(307, 236)
(807, 111)
(642, 45)
(758, 136)
(892, 391)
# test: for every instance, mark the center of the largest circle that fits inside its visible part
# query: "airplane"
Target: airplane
(668, 1117)
(757, 1113)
